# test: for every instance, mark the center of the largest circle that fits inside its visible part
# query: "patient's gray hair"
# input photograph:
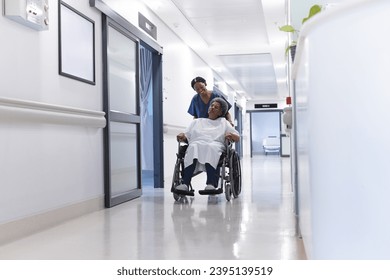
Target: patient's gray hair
(222, 102)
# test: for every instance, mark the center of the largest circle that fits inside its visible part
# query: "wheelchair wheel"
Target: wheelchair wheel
(176, 179)
(228, 191)
(235, 174)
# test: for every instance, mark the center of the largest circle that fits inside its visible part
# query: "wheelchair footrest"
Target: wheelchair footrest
(211, 192)
(181, 192)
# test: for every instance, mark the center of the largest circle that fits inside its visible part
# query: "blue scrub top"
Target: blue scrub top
(200, 110)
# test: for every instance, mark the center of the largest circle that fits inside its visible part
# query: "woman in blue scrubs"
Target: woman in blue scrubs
(201, 101)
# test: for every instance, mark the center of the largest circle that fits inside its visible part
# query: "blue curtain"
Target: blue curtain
(146, 94)
(146, 78)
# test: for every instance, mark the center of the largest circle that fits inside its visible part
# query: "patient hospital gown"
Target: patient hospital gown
(206, 140)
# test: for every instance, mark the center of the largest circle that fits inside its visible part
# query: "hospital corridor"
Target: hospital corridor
(259, 224)
(97, 97)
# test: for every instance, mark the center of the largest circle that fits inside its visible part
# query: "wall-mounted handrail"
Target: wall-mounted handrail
(16, 110)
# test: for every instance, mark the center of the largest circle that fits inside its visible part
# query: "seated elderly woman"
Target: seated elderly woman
(206, 142)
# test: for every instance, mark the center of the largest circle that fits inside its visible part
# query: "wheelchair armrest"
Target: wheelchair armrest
(182, 143)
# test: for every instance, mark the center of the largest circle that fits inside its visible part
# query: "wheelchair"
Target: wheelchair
(229, 178)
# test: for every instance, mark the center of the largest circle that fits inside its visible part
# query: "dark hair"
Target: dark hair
(223, 103)
(198, 80)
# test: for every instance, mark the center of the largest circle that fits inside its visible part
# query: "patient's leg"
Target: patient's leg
(188, 172)
(212, 175)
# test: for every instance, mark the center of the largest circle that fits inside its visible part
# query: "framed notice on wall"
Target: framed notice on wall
(76, 44)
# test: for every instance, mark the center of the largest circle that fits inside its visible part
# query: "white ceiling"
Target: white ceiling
(239, 39)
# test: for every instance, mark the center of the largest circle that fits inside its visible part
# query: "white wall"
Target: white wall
(29, 63)
(342, 96)
(50, 125)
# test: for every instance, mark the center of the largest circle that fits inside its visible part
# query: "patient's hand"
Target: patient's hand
(232, 137)
(181, 137)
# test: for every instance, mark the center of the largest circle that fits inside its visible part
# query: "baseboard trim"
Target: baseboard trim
(21, 228)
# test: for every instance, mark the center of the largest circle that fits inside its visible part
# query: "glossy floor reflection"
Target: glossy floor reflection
(260, 224)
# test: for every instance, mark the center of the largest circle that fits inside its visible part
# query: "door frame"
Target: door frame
(158, 132)
(158, 124)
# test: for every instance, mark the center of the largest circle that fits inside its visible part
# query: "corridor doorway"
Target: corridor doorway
(125, 78)
(151, 118)
(264, 124)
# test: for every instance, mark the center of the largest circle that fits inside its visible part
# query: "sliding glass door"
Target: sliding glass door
(121, 102)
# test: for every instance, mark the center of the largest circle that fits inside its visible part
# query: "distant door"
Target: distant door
(264, 124)
(238, 126)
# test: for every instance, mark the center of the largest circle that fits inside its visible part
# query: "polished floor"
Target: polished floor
(259, 224)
